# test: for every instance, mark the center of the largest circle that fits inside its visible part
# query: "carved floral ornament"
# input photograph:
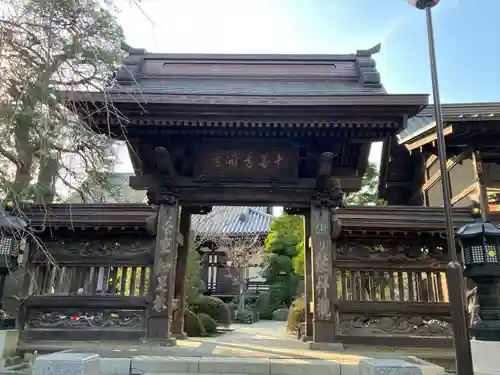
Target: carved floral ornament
(99, 248)
(356, 250)
(406, 325)
(106, 319)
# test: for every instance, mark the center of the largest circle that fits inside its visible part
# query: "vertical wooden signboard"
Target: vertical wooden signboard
(323, 276)
(162, 277)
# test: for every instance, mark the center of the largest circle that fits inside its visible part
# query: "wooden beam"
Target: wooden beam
(429, 138)
(449, 165)
(464, 193)
(164, 162)
(431, 160)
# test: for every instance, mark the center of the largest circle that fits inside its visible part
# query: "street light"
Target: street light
(455, 279)
(480, 242)
(13, 233)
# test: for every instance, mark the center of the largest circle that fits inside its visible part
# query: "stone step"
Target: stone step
(151, 365)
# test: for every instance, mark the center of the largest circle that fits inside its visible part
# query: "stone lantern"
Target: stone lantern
(13, 234)
(480, 243)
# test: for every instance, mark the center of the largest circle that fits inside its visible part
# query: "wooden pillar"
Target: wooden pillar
(308, 280)
(480, 179)
(323, 275)
(180, 274)
(161, 288)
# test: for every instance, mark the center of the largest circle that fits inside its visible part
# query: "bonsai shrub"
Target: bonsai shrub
(280, 314)
(208, 323)
(193, 325)
(214, 307)
(246, 316)
(266, 304)
(296, 315)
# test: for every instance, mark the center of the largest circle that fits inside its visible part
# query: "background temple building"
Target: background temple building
(473, 151)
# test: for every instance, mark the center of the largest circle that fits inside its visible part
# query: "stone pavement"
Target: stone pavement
(265, 339)
(261, 348)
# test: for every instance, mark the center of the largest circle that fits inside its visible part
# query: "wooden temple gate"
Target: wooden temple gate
(292, 131)
(88, 276)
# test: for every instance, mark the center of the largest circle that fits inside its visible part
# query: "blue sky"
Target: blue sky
(467, 36)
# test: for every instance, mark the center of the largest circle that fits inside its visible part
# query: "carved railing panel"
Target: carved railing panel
(408, 320)
(122, 250)
(77, 318)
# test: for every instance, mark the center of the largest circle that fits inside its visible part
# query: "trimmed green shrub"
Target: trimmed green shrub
(280, 314)
(266, 304)
(246, 316)
(214, 307)
(296, 315)
(209, 323)
(193, 325)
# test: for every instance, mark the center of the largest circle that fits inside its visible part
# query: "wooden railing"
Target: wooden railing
(397, 304)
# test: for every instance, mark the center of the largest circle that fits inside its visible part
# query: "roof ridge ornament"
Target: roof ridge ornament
(367, 67)
(370, 51)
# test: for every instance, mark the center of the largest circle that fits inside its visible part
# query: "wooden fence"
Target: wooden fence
(87, 276)
(393, 304)
(391, 288)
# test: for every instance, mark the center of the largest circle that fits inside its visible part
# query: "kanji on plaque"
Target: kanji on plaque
(259, 163)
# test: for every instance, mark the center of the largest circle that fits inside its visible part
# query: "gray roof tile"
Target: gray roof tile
(248, 87)
(233, 221)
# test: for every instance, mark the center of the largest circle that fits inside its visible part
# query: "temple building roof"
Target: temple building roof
(464, 112)
(233, 221)
(249, 75)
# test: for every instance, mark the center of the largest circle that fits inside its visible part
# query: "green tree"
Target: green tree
(193, 283)
(368, 194)
(283, 245)
(47, 46)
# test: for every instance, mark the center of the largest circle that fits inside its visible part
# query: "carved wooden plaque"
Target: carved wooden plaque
(248, 162)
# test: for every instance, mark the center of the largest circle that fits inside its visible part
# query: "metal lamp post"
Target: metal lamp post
(480, 242)
(454, 270)
(13, 233)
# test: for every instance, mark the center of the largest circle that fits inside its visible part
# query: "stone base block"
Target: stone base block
(115, 366)
(8, 347)
(171, 341)
(328, 346)
(303, 367)
(426, 367)
(388, 367)
(171, 365)
(67, 364)
(8, 342)
(228, 365)
(486, 357)
(180, 336)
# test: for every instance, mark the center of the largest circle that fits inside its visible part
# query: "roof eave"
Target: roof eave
(418, 101)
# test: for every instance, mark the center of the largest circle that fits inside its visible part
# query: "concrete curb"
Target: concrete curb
(226, 365)
(160, 365)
